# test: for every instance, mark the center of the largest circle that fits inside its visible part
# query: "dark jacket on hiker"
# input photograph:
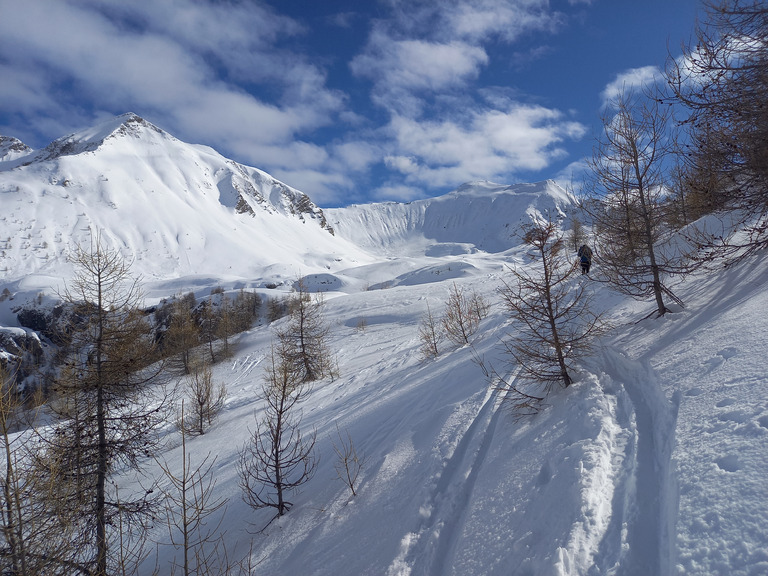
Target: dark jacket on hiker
(585, 258)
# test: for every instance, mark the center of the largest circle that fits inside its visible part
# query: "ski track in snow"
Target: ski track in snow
(428, 549)
(651, 518)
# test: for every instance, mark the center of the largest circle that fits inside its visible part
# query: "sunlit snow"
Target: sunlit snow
(653, 463)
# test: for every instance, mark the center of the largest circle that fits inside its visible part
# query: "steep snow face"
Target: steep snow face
(172, 208)
(477, 216)
(12, 149)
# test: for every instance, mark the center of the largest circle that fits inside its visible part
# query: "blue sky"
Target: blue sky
(347, 100)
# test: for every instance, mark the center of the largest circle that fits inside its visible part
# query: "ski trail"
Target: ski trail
(428, 550)
(653, 509)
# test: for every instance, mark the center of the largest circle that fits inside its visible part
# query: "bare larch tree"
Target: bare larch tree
(278, 458)
(554, 324)
(107, 414)
(722, 83)
(625, 199)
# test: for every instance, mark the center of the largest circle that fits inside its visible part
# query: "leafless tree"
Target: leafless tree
(276, 308)
(205, 397)
(348, 463)
(209, 324)
(183, 334)
(478, 306)
(247, 306)
(107, 414)
(32, 539)
(578, 235)
(461, 318)
(722, 83)
(430, 335)
(191, 503)
(554, 324)
(625, 198)
(303, 342)
(278, 458)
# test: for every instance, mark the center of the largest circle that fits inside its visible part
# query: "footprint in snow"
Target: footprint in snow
(720, 358)
(728, 353)
(545, 475)
(738, 416)
(729, 463)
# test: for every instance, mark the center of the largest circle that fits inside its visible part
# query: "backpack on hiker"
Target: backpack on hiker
(585, 253)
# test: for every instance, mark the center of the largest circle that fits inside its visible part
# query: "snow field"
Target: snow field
(652, 463)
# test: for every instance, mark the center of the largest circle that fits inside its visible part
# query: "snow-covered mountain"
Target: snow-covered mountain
(477, 216)
(12, 148)
(177, 209)
(173, 208)
(653, 463)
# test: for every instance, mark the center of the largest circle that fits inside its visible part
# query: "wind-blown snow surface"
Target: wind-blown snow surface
(652, 463)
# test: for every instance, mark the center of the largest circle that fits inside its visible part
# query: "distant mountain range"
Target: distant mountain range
(177, 209)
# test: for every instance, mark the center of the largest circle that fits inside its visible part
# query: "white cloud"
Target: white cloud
(355, 156)
(24, 90)
(165, 60)
(324, 187)
(425, 48)
(418, 64)
(573, 176)
(398, 192)
(477, 20)
(629, 80)
(228, 74)
(489, 143)
(344, 19)
(402, 164)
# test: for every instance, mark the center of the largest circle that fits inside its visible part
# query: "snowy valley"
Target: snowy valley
(652, 463)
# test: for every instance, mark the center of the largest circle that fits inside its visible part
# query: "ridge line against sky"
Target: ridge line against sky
(347, 101)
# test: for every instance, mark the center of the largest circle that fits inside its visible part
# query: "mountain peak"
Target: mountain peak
(90, 139)
(132, 123)
(12, 148)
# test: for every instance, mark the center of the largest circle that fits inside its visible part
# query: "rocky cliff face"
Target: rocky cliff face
(12, 148)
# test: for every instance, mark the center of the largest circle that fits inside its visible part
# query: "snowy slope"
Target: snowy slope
(477, 216)
(173, 208)
(12, 148)
(652, 463)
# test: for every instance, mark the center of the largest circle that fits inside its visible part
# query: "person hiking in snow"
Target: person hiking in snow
(585, 258)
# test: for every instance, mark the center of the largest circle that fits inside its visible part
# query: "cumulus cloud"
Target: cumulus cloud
(398, 192)
(419, 64)
(629, 80)
(479, 20)
(424, 62)
(573, 176)
(486, 143)
(239, 77)
(402, 164)
(166, 59)
(427, 48)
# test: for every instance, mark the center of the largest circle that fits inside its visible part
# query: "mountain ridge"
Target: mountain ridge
(178, 209)
(478, 215)
(133, 182)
